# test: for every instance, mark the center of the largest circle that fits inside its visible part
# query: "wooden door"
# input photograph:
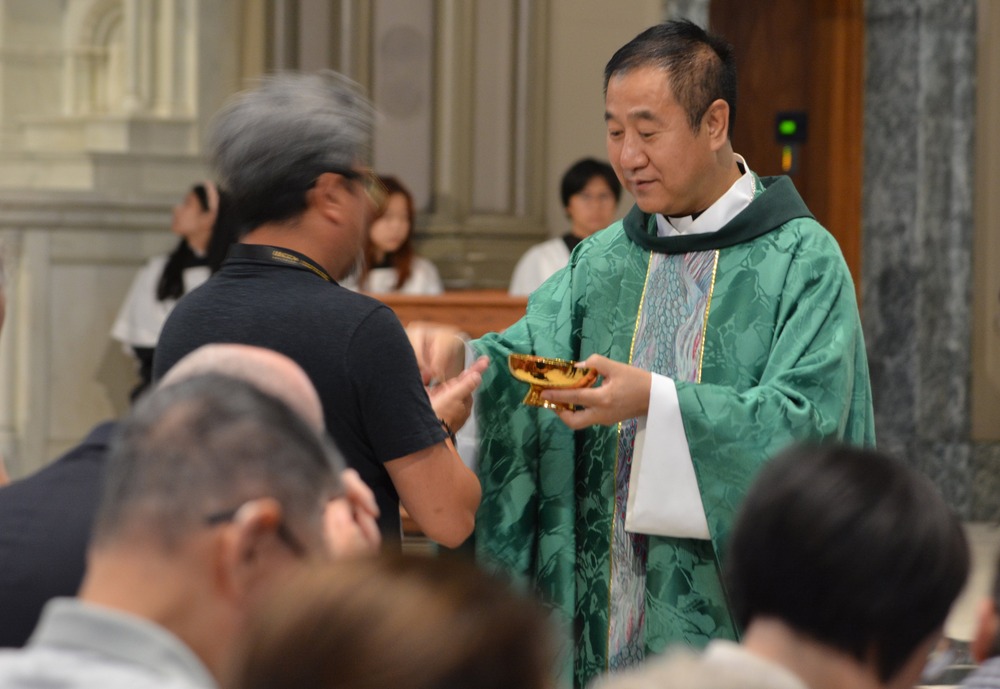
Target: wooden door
(808, 56)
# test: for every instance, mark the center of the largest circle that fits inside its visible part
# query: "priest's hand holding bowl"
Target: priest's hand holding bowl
(622, 394)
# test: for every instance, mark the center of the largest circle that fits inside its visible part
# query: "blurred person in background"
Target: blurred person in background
(205, 225)
(985, 644)
(390, 261)
(212, 495)
(46, 517)
(402, 622)
(841, 568)
(590, 192)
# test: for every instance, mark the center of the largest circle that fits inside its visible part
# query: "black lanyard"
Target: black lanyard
(275, 254)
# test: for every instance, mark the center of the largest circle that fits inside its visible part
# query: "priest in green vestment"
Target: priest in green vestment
(724, 323)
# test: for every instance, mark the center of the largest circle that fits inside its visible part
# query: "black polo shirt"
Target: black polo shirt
(352, 347)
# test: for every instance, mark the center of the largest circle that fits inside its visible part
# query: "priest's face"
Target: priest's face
(663, 163)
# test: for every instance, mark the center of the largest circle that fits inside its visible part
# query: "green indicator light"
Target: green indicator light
(787, 127)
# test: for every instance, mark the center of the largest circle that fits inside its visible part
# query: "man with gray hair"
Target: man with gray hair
(45, 518)
(352, 526)
(291, 155)
(213, 493)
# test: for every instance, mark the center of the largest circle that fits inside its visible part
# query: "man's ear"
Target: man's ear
(987, 623)
(715, 122)
(245, 544)
(330, 196)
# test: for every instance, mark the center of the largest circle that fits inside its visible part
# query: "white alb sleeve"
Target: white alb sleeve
(663, 495)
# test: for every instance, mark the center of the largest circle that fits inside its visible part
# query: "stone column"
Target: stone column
(917, 233)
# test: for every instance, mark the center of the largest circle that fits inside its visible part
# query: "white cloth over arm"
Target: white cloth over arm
(663, 496)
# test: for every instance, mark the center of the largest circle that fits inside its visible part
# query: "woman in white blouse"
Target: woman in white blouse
(390, 262)
(206, 229)
(590, 192)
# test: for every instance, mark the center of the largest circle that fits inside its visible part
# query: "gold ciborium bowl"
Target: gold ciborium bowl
(542, 373)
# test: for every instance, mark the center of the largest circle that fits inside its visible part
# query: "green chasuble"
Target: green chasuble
(758, 326)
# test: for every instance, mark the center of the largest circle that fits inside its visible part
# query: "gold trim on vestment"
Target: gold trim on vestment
(704, 322)
(642, 302)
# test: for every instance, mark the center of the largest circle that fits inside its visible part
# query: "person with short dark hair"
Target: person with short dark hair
(590, 192)
(213, 493)
(985, 644)
(842, 566)
(723, 324)
(292, 155)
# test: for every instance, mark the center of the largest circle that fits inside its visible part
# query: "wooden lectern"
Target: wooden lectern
(475, 312)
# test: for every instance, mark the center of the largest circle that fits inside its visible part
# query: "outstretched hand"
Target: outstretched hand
(452, 399)
(622, 394)
(440, 350)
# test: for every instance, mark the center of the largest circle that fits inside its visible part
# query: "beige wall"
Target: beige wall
(584, 34)
(85, 193)
(69, 259)
(86, 186)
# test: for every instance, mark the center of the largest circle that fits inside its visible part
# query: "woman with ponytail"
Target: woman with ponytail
(206, 229)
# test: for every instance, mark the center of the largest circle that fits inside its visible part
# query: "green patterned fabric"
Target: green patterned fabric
(783, 360)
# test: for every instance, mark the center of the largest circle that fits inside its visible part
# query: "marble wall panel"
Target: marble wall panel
(919, 123)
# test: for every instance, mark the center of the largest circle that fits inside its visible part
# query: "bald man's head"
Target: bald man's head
(265, 369)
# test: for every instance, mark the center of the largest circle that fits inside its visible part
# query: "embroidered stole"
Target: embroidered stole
(667, 340)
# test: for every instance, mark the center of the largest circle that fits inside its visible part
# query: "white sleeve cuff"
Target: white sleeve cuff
(663, 494)
(467, 437)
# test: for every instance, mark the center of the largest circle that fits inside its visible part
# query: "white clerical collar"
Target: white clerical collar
(727, 207)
